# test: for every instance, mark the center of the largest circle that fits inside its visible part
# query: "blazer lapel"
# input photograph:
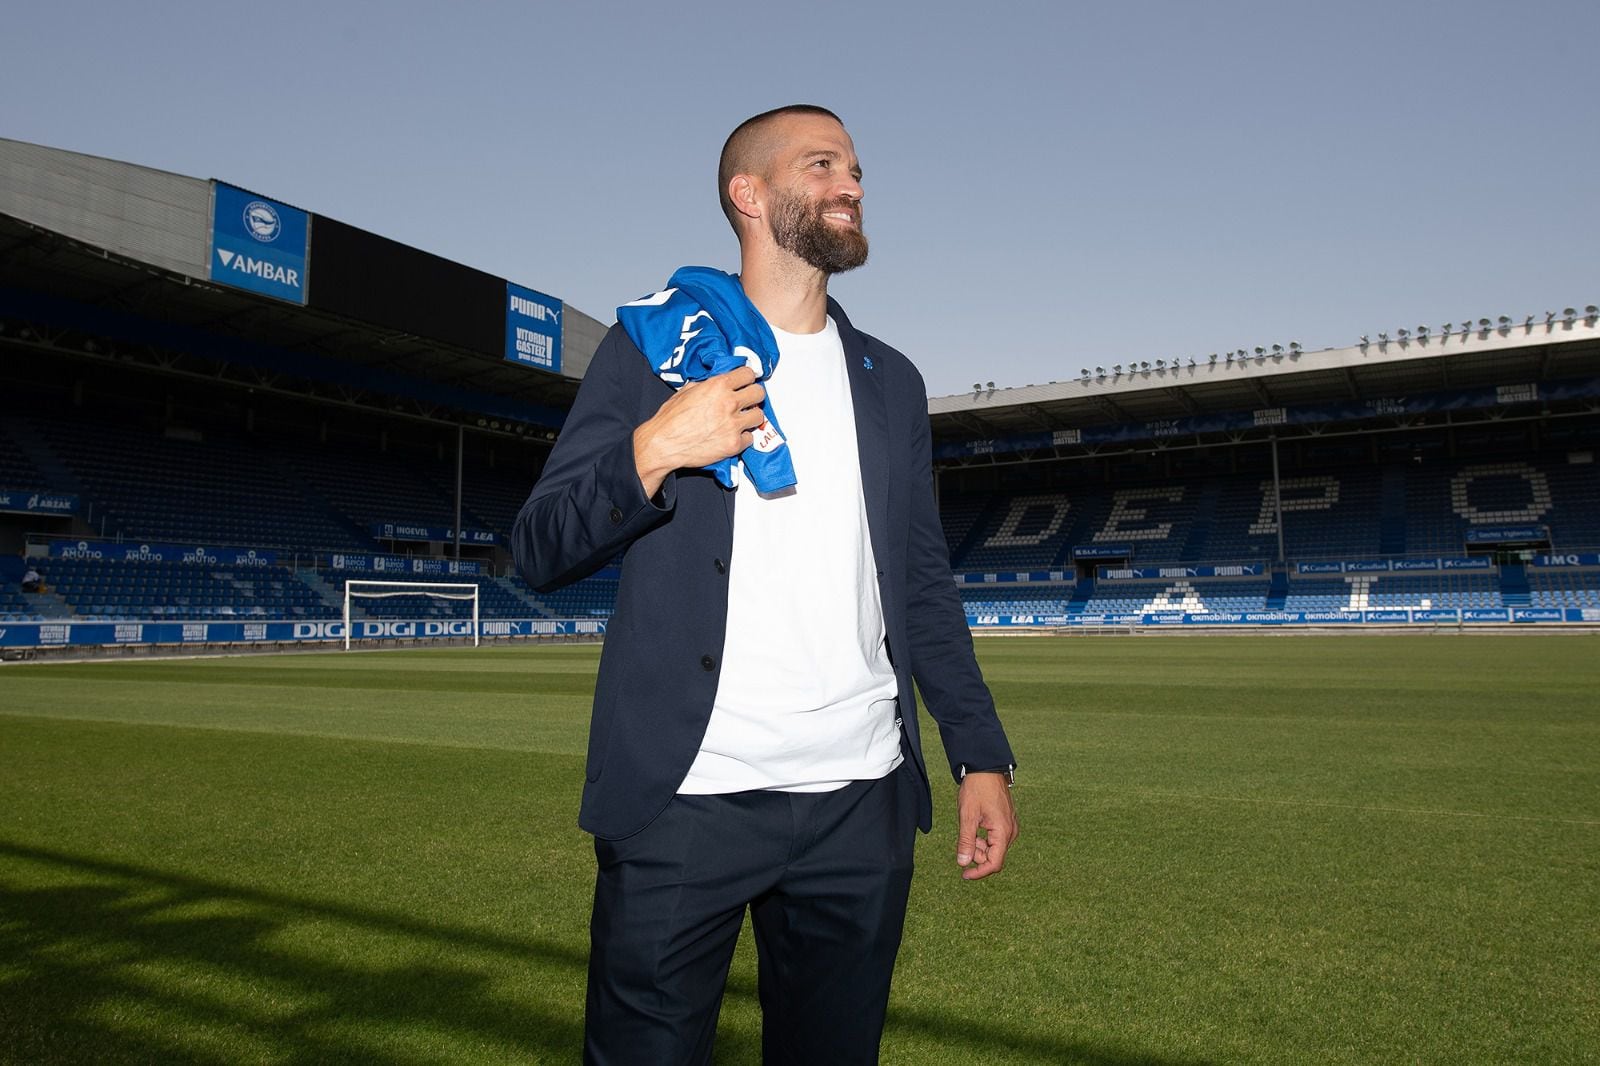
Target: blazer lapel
(872, 428)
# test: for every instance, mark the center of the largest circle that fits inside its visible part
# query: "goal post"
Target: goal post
(382, 590)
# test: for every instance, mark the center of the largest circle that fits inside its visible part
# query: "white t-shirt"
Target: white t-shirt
(806, 698)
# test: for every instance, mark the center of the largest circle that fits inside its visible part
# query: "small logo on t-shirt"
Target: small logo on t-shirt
(866, 362)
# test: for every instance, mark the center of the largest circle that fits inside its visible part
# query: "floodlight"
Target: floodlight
(1569, 314)
(1526, 322)
(1549, 317)
(991, 386)
(1161, 364)
(1100, 370)
(1422, 331)
(1084, 372)
(1504, 321)
(977, 386)
(1116, 368)
(482, 422)
(1484, 323)
(1383, 338)
(1591, 310)
(1403, 332)
(1144, 366)
(1191, 360)
(1447, 327)
(1364, 340)
(1213, 357)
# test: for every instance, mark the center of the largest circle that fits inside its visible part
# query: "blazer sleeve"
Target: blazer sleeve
(942, 658)
(588, 503)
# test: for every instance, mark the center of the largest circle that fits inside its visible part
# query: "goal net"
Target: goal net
(411, 608)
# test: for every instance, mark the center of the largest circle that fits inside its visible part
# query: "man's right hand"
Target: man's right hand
(702, 422)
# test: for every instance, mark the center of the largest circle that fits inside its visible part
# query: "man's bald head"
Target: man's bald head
(750, 147)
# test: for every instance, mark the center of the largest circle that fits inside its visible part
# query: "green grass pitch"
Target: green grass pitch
(1234, 850)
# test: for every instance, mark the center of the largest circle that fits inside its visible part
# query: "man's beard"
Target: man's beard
(798, 227)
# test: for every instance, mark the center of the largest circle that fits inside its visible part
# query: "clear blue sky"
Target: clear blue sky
(1049, 185)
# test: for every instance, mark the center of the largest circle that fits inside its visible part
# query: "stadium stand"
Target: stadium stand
(262, 493)
(159, 423)
(1340, 514)
(594, 597)
(1023, 601)
(1403, 510)
(211, 490)
(1192, 596)
(218, 488)
(496, 499)
(380, 488)
(1569, 588)
(122, 589)
(1158, 521)
(274, 494)
(16, 469)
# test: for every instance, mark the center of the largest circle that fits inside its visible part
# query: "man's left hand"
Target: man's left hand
(984, 802)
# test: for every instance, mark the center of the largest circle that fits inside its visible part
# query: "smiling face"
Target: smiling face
(814, 194)
(791, 186)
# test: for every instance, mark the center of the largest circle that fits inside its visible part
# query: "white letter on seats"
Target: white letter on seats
(1267, 520)
(1122, 510)
(1006, 536)
(1538, 491)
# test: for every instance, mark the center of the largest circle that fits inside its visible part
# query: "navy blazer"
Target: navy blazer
(659, 667)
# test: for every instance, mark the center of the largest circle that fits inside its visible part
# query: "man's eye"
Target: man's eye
(823, 163)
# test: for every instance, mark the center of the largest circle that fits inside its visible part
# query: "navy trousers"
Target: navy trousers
(825, 875)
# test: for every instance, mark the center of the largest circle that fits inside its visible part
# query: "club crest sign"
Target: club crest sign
(262, 221)
(258, 244)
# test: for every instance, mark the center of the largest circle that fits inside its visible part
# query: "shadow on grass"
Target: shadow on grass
(142, 965)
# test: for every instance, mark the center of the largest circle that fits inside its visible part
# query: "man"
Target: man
(754, 740)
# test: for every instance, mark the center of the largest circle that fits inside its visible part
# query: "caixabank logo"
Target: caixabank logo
(258, 244)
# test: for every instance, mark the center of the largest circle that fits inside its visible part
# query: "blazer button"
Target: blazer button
(707, 663)
(722, 568)
(616, 516)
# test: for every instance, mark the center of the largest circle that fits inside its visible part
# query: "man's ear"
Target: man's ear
(746, 193)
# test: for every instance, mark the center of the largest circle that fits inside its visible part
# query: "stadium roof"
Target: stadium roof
(108, 261)
(1191, 400)
(104, 260)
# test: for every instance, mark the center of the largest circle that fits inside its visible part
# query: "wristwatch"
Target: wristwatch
(1009, 772)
